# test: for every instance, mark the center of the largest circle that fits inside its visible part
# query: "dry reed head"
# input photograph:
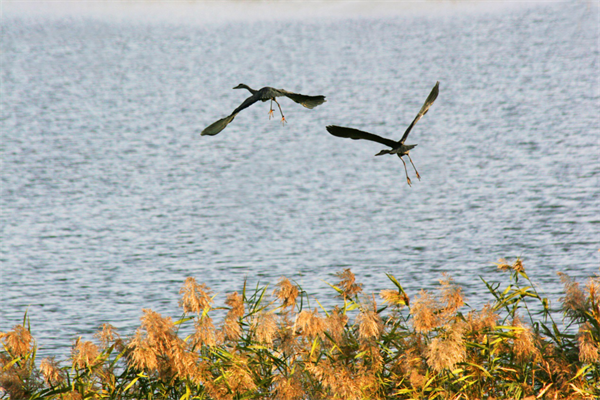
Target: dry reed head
(593, 288)
(336, 322)
(231, 326)
(142, 356)
(51, 372)
(265, 327)
(337, 378)
(84, 353)
(372, 361)
(311, 323)
(425, 312)
(154, 340)
(452, 295)
(158, 329)
(205, 334)
(183, 362)
(156, 347)
(416, 379)
(448, 349)
(347, 284)
(411, 358)
(107, 335)
(524, 341)
(232, 329)
(589, 351)
(286, 292)
(195, 297)
(394, 297)
(368, 380)
(10, 380)
(239, 378)
(575, 298)
(18, 341)
(505, 266)
(286, 336)
(236, 302)
(288, 388)
(480, 322)
(370, 325)
(518, 265)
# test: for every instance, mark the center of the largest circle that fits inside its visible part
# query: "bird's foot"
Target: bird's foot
(270, 113)
(283, 121)
(408, 180)
(418, 176)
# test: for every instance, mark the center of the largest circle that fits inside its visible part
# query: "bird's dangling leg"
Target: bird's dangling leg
(405, 170)
(271, 110)
(283, 121)
(413, 164)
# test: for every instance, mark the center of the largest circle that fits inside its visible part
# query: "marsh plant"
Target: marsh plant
(277, 344)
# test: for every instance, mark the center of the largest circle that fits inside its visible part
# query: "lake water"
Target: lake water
(111, 198)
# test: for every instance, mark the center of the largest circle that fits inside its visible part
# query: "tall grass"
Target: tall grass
(271, 345)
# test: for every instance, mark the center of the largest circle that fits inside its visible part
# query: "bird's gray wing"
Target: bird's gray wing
(306, 101)
(430, 99)
(218, 126)
(355, 134)
(247, 103)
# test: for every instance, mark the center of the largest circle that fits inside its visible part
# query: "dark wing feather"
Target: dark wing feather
(218, 126)
(355, 134)
(306, 101)
(430, 99)
(247, 103)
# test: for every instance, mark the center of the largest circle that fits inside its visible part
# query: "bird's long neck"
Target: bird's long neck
(248, 88)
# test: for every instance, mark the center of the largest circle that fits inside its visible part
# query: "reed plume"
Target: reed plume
(265, 327)
(107, 335)
(448, 349)
(51, 372)
(370, 324)
(310, 323)
(287, 293)
(348, 284)
(18, 341)
(196, 298)
(425, 312)
(84, 353)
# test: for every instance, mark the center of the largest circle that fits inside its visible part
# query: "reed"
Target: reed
(271, 345)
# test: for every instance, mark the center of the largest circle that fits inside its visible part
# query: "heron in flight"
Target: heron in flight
(398, 147)
(264, 94)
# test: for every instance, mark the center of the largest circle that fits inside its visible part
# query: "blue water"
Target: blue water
(111, 198)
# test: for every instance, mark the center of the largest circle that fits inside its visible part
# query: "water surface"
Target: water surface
(111, 198)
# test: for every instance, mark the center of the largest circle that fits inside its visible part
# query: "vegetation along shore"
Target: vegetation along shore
(281, 344)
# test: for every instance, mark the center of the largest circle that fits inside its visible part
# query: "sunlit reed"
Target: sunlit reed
(272, 346)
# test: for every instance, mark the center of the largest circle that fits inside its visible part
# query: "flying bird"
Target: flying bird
(264, 94)
(398, 147)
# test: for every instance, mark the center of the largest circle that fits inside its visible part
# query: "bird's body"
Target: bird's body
(397, 147)
(265, 94)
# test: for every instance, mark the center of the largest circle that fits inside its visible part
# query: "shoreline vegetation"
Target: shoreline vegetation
(272, 345)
